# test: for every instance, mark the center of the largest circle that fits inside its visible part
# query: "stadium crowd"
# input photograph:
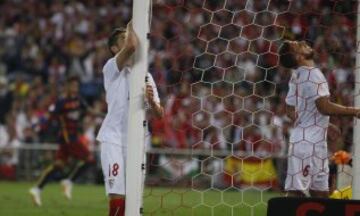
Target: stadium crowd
(218, 88)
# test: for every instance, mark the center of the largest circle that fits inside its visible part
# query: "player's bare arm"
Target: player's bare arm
(326, 107)
(155, 107)
(129, 43)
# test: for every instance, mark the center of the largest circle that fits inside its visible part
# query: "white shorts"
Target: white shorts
(308, 167)
(113, 163)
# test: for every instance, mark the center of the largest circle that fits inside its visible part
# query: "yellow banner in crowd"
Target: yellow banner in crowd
(251, 171)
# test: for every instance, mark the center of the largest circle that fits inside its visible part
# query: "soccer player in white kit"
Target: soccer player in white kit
(113, 132)
(309, 107)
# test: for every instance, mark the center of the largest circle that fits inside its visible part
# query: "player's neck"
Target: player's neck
(307, 63)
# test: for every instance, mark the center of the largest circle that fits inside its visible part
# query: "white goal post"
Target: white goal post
(356, 140)
(136, 129)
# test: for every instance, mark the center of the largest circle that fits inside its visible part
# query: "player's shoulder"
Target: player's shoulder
(293, 77)
(57, 103)
(312, 74)
(315, 75)
(110, 64)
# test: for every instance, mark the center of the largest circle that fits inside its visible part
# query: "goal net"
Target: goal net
(223, 144)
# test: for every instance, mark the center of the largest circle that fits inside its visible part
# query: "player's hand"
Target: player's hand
(129, 27)
(131, 38)
(149, 92)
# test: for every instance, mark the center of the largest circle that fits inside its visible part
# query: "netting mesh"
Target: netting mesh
(226, 133)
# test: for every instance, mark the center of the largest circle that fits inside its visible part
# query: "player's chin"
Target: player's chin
(310, 55)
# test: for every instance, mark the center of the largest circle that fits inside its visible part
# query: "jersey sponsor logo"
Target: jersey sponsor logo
(72, 105)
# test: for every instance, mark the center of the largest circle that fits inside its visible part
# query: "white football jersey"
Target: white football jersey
(116, 84)
(305, 87)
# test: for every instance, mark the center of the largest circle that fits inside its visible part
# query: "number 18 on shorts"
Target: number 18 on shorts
(113, 158)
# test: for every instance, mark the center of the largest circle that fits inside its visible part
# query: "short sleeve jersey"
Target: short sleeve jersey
(305, 87)
(116, 84)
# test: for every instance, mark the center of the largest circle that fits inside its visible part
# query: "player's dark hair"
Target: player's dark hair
(73, 78)
(287, 57)
(114, 37)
